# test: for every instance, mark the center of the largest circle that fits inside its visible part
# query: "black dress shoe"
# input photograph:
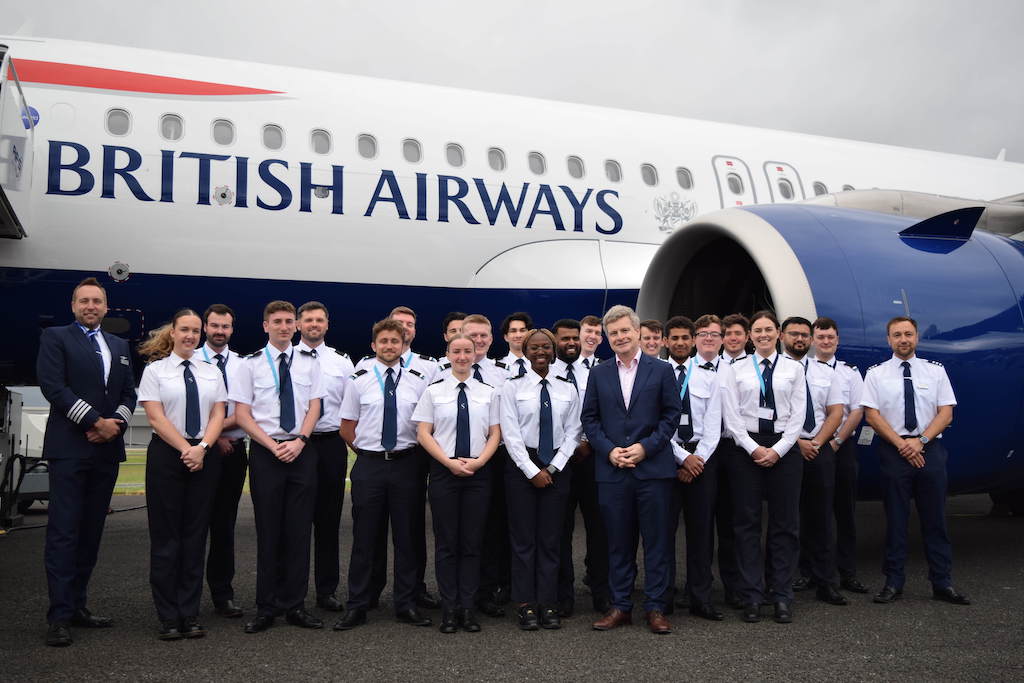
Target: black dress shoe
(549, 618)
(228, 609)
(352, 618)
(528, 618)
(850, 583)
(950, 595)
(303, 619)
(566, 608)
(751, 613)
(802, 583)
(449, 621)
(783, 613)
(58, 634)
(828, 593)
(706, 611)
(259, 624)
(191, 628)
(888, 594)
(733, 600)
(86, 619)
(330, 603)
(491, 608)
(468, 621)
(169, 630)
(412, 616)
(427, 601)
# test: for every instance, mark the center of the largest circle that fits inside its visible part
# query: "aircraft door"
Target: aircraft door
(735, 184)
(783, 182)
(17, 126)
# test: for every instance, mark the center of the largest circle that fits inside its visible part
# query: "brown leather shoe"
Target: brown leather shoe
(658, 623)
(615, 617)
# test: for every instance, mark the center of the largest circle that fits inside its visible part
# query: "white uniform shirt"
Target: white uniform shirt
(705, 408)
(494, 372)
(742, 394)
(883, 390)
(423, 364)
(163, 381)
(520, 419)
(512, 362)
(364, 402)
(257, 382)
(439, 407)
(852, 385)
(579, 372)
(232, 364)
(335, 371)
(729, 360)
(826, 390)
(588, 361)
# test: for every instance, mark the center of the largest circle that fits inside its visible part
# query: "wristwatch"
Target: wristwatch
(924, 439)
(553, 470)
(303, 438)
(206, 446)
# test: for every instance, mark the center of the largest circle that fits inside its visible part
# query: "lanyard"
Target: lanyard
(206, 356)
(760, 378)
(273, 368)
(380, 380)
(686, 382)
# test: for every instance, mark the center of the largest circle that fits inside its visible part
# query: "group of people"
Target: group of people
(504, 451)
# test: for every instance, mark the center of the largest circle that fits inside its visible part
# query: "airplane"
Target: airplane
(188, 180)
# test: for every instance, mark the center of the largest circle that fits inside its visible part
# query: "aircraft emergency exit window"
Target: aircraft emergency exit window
(119, 122)
(735, 183)
(537, 163)
(320, 141)
(848, 188)
(367, 146)
(575, 165)
(273, 136)
(649, 174)
(613, 171)
(820, 188)
(454, 154)
(411, 150)
(223, 132)
(785, 189)
(496, 159)
(684, 177)
(171, 127)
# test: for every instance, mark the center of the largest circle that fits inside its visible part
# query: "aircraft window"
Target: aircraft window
(320, 141)
(820, 188)
(848, 188)
(367, 146)
(273, 136)
(412, 151)
(223, 132)
(612, 170)
(455, 155)
(785, 189)
(496, 159)
(119, 122)
(735, 183)
(537, 164)
(684, 177)
(171, 127)
(649, 174)
(575, 165)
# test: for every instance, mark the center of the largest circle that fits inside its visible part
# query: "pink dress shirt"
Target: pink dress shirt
(627, 374)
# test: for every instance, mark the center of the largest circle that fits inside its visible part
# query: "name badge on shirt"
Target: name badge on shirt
(922, 387)
(124, 361)
(765, 413)
(684, 420)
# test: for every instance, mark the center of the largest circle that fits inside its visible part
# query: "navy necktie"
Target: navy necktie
(522, 367)
(546, 440)
(192, 417)
(809, 421)
(286, 395)
(462, 424)
(571, 376)
(685, 431)
(389, 431)
(96, 347)
(767, 399)
(909, 410)
(586, 363)
(222, 365)
(476, 373)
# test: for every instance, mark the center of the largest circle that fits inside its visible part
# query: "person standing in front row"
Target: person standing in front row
(86, 375)
(184, 400)
(630, 412)
(909, 401)
(457, 420)
(277, 401)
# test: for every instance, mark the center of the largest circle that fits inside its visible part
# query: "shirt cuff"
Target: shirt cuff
(679, 453)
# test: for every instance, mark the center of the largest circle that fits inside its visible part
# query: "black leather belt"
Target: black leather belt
(290, 438)
(910, 436)
(320, 436)
(387, 455)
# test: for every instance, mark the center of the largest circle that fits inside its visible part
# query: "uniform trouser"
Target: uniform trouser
(178, 506)
(780, 484)
(696, 501)
(380, 563)
(496, 563)
(283, 498)
(583, 492)
(458, 507)
(536, 518)
(728, 569)
(631, 506)
(220, 559)
(381, 489)
(331, 466)
(80, 490)
(817, 501)
(846, 509)
(901, 481)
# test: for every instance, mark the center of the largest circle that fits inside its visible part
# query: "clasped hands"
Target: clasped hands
(628, 457)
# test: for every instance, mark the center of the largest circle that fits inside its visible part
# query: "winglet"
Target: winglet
(952, 225)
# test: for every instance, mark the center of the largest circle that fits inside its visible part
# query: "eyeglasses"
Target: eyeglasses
(709, 335)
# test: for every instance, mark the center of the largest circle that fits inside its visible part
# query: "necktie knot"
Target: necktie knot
(391, 372)
(186, 363)
(219, 357)
(462, 385)
(905, 365)
(543, 382)
(766, 363)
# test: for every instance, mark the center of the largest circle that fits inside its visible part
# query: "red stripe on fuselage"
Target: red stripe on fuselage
(56, 73)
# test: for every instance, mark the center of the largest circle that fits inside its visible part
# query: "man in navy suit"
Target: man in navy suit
(630, 412)
(86, 375)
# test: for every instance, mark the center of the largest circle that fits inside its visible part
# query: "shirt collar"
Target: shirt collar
(774, 358)
(86, 330)
(896, 359)
(224, 354)
(634, 362)
(275, 354)
(382, 369)
(178, 360)
(319, 348)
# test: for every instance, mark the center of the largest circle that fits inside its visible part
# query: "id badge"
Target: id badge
(684, 420)
(764, 413)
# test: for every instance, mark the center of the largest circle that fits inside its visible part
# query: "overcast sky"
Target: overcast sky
(936, 74)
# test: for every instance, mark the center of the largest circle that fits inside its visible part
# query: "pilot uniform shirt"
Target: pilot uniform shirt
(852, 386)
(232, 363)
(883, 390)
(741, 400)
(514, 363)
(588, 361)
(729, 360)
(439, 407)
(364, 402)
(104, 351)
(257, 385)
(335, 371)
(494, 372)
(826, 390)
(164, 381)
(520, 419)
(421, 363)
(705, 408)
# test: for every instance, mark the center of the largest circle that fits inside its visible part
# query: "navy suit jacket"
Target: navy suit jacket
(71, 381)
(652, 418)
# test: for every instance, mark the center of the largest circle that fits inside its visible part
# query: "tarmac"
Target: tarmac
(916, 638)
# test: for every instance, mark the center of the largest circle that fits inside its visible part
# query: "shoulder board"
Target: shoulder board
(416, 372)
(255, 354)
(445, 366)
(843, 362)
(341, 353)
(500, 364)
(357, 373)
(424, 356)
(517, 377)
(935, 362)
(484, 383)
(876, 365)
(852, 367)
(562, 378)
(436, 381)
(366, 357)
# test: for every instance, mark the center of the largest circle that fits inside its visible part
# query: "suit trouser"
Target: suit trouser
(780, 484)
(495, 564)
(80, 490)
(458, 508)
(583, 492)
(381, 489)
(331, 466)
(817, 507)
(696, 501)
(178, 506)
(220, 559)
(283, 498)
(846, 509)
(536, 518)
(901, 481)
(380, 563)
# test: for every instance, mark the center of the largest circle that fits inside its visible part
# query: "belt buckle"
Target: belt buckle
(388, 455)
